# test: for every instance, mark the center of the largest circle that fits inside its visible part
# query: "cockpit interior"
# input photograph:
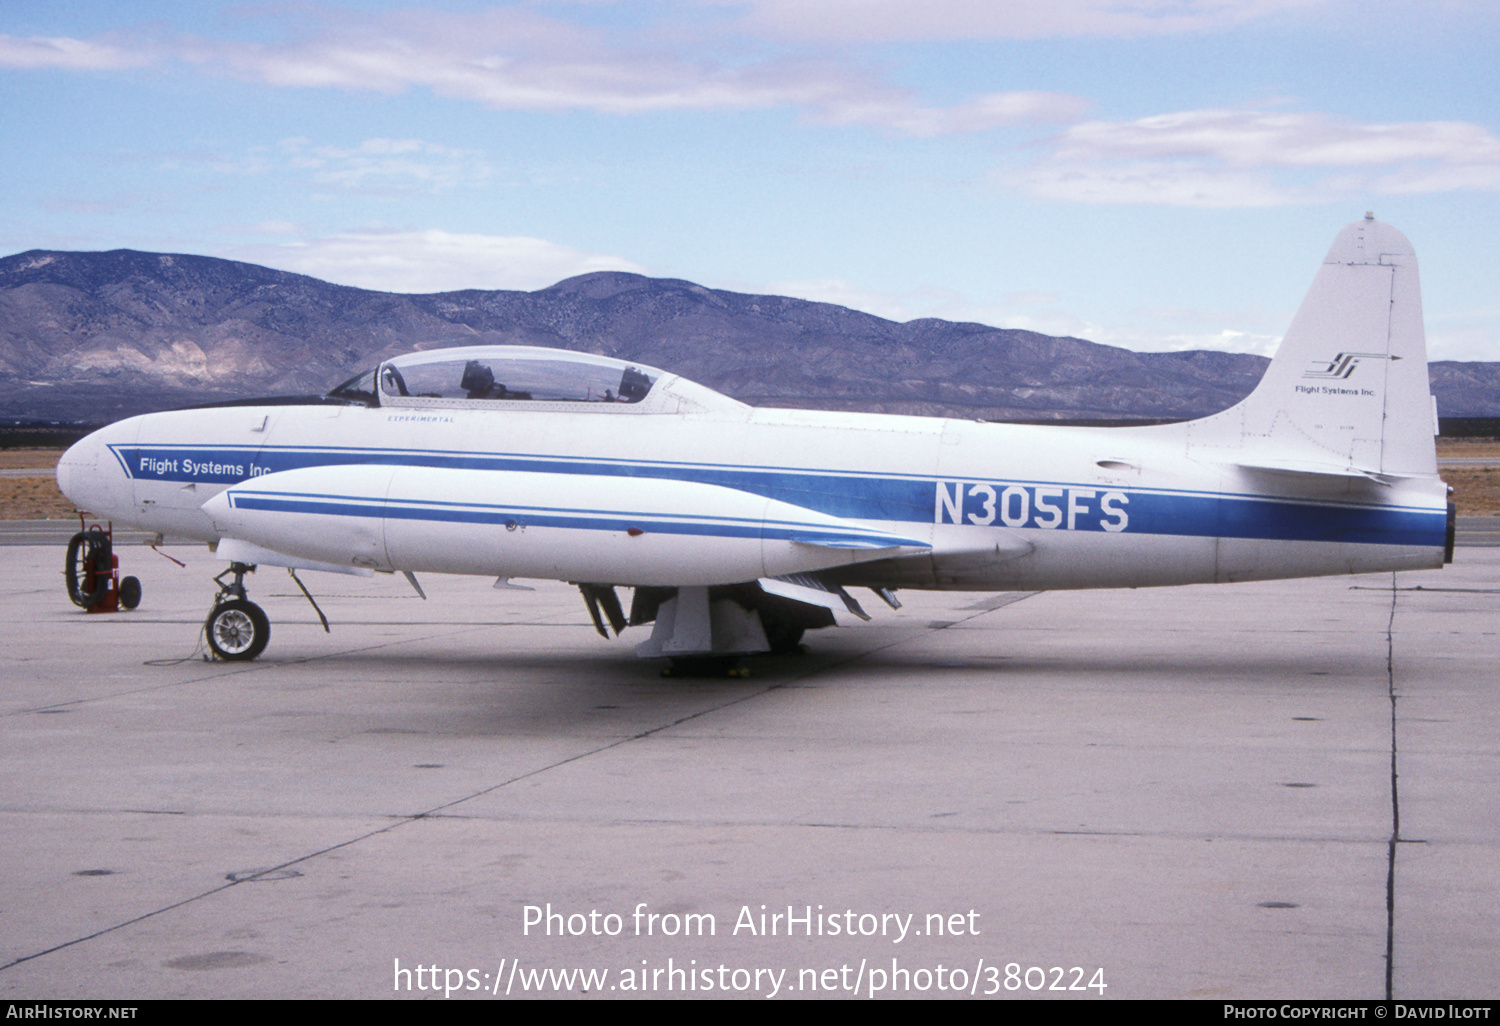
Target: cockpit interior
(488, 374)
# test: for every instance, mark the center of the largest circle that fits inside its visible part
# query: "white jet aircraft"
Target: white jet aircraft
(739, 528)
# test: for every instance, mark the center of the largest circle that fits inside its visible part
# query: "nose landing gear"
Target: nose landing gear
(237, 629)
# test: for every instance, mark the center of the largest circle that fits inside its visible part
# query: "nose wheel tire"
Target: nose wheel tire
(237, 630)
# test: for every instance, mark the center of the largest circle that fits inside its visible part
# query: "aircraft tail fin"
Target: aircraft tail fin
(1347, 392)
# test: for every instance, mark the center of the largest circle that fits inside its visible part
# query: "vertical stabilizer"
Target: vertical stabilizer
(1347, 391)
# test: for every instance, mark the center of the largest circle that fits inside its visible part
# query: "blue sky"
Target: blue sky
(1158, 174)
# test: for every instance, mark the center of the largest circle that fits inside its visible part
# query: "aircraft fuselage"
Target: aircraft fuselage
(1002, 506)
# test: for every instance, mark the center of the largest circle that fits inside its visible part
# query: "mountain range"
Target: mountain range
(92, 337)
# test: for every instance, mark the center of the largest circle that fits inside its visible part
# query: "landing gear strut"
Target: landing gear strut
(236, 628)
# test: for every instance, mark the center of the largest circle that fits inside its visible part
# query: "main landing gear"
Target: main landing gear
(236, 628)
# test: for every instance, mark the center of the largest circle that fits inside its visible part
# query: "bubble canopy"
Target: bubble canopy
(488, 374)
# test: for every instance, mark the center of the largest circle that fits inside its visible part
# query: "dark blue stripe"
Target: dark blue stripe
(859, 497)
(808, 534)
(837, 494)
(1230, 517)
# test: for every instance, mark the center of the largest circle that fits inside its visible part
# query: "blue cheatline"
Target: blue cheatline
(905, 499)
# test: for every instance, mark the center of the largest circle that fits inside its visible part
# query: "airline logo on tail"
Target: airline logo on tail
(1343, 365)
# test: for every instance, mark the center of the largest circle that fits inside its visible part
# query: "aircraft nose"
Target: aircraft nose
(64, 474)
(75, 467)
(91, 479)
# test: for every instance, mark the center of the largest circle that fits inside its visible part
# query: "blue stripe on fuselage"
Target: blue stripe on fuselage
(590, 520)
(850, 496)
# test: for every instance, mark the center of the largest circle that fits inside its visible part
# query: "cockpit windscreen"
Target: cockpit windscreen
(498, 373)
(541, 377)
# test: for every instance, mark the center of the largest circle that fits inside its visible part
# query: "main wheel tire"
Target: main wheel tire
(88, 553)
(706, 666)
(130, 592)
(237, 630)
(783, 637)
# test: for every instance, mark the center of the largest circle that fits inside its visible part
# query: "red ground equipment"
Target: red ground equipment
(92, 571)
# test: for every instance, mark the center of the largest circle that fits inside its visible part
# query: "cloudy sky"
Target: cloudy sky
(1159, 174)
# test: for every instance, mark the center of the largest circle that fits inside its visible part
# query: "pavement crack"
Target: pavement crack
(438, 811)
(1390, 872)
(416, 817)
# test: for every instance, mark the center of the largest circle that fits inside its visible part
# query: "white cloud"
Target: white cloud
(1150, 183)
(1470, 335)
(1225, 340)
(374, 166)
(1241, 158)
(513, 60)
(516, 59)
(904, 21)
(402, 163)
(69, 54)
(283, 228)
(1248, 138)
(431, 261)
(507, 59)
(993, 110)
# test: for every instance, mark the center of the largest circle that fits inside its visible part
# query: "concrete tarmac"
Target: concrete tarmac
(1170, 793)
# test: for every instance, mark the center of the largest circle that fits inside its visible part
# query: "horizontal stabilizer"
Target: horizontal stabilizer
(1308, 468)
